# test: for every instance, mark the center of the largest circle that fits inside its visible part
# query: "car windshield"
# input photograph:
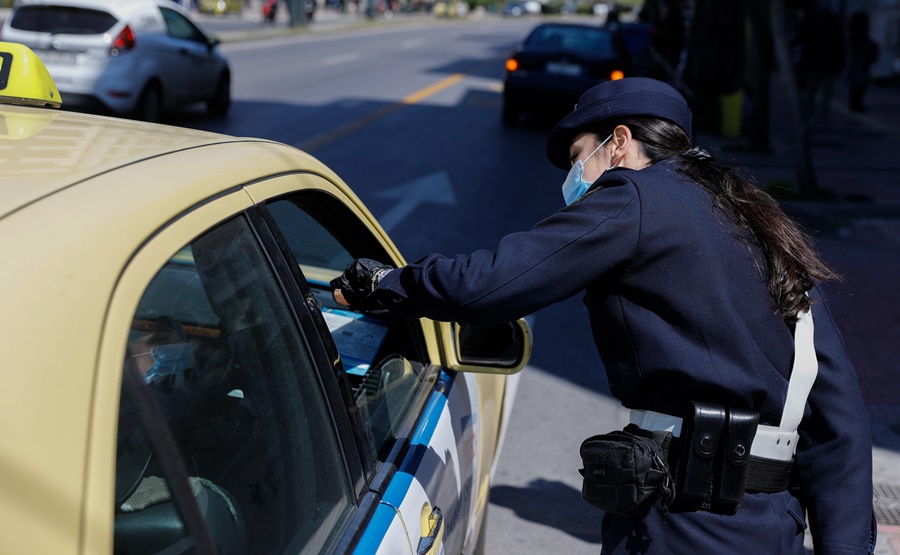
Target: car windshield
(62, 19)
(553, 38)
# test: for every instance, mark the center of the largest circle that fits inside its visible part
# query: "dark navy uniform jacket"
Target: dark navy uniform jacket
(680, 311)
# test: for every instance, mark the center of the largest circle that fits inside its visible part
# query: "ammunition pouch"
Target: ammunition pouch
(713, 457)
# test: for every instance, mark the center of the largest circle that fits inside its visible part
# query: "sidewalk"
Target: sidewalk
(325, 19)
(858, 233)
(251, 26)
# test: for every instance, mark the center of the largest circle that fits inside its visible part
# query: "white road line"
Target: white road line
(340, 59)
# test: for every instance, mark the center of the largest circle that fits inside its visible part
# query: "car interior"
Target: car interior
(229, 371)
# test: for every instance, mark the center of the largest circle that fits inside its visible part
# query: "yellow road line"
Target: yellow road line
(418, 96)
(414, 98)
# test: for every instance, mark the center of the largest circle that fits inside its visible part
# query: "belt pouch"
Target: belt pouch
(624, 471)
(740, 431)
(704, 424)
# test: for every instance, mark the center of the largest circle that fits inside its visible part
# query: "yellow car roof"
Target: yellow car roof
(43, 151)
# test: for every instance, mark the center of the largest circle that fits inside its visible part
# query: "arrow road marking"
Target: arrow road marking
(434, 188)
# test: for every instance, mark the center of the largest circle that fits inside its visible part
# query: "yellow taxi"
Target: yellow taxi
(177, 377)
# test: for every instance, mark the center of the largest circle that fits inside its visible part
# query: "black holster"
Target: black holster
(713, 457)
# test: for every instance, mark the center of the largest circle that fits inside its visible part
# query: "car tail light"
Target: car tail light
(512, 65)
(616, 75)
(125, 41)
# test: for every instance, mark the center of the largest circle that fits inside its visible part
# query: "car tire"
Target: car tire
(510, 114)
(220, 102)
(150, 105)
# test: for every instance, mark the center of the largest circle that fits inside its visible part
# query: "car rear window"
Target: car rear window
(596, 42)
(62, 20)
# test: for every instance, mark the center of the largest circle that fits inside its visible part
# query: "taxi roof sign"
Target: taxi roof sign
(24, 79)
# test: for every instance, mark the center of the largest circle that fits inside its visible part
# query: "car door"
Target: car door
(190, 62)
(226, 436)
(256, 416)
(416, 423)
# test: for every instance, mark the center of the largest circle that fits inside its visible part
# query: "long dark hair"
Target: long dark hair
(791, 260)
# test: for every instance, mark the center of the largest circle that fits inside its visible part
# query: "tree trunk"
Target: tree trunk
(806, 175)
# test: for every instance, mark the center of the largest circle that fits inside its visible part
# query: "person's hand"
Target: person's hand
(339, 298)
(354, 287)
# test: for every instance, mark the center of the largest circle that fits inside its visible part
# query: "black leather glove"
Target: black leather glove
(359, 280)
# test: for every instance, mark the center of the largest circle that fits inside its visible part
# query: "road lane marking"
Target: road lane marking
(331, 136)
(340, 59)
(422, 94)
(414, 98)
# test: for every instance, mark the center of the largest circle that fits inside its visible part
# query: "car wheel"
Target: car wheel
(149, 106)
(220, 102)
(510, 114)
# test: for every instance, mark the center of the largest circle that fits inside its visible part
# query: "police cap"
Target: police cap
(611, 100)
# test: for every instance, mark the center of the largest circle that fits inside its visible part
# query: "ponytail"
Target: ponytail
(792, 263)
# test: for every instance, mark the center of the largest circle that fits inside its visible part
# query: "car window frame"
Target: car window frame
(338, 216)
(152, 254)
(198, 36)
(311, 326)
(171, 457)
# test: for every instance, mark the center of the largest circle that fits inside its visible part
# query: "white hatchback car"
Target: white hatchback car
(128, 57)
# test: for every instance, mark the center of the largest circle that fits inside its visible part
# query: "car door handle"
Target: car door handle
(430, 544)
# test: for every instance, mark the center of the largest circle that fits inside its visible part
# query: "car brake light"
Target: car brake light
(616, 75)
(125, 41)
(512, 64)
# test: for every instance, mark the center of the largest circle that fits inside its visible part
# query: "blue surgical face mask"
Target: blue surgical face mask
(169, 360)
(574, 187)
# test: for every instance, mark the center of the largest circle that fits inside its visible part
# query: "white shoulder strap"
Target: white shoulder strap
(771, 442)
(781, 443)
(803, 374)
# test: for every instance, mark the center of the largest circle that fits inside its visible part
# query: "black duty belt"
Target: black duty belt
(763, 475)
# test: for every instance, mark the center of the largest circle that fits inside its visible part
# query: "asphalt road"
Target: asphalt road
(409, 116)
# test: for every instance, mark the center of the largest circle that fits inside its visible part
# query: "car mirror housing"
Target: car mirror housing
(495, 348)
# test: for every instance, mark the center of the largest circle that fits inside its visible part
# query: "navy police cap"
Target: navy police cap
(611, 100)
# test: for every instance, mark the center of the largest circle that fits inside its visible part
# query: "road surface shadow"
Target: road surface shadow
(552, 504)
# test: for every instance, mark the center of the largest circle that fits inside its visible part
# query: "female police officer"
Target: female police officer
(694, 282)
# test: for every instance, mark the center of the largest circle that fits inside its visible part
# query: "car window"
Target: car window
(62, 19)
(596, 42)
(180, 27)
(214, 341)
(381, 354)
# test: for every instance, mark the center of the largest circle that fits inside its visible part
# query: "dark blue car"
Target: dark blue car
(556, 63)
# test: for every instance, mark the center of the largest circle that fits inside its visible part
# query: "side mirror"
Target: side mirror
(212, 42)
(497, 348)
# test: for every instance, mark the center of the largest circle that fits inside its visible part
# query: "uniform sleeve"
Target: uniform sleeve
(834, 457)
(556, 259)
